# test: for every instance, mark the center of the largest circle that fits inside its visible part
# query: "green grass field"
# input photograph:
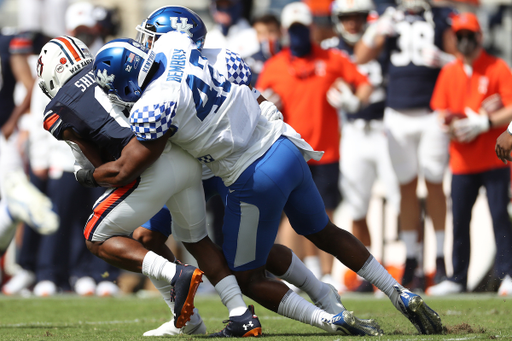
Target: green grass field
(69, 317)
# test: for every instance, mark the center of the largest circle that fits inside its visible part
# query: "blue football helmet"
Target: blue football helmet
(171, 18)
(120, 68)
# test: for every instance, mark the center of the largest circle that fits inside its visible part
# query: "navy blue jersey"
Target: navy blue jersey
(411, 83)
(7, 82)
(375, 71)
(12, 43)
(82, 106)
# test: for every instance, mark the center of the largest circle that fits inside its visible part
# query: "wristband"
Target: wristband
(509, 129)
(85, 178)
(256, 93)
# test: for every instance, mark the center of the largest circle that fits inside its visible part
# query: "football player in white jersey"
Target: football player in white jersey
(178, 18)
(262, 163)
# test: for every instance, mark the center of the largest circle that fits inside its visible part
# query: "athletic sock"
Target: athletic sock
(157, 267)
(164, 287)
(231, 295)
(303, 278)
(297, 308)
(375, 273)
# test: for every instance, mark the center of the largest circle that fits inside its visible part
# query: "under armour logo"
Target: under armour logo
(104, 79)
(182, 26)
(246, 326)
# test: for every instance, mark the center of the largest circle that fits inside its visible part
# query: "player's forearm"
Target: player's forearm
(135, 158)
(114, 174)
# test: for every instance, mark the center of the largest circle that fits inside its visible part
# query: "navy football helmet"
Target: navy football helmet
(120, 68)
(171, 18)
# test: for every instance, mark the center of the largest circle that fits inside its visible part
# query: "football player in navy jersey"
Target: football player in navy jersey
(364, 128)
(82, 113)
(418, 39)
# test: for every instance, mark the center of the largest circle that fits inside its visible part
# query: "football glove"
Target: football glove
(270, 111)
(435, 58)
(341, 97)
(467, 129)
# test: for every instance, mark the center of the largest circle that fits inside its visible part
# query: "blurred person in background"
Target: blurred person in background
(268, 31)
(417, 39)
(61, 261)
(361, 166)
(47, 16)
(232, 30)
(21, 200)
(300, 76)
(474, 97)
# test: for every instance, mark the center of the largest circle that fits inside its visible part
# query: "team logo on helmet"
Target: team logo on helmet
(40, 66)
(182, 26)
(105, 80)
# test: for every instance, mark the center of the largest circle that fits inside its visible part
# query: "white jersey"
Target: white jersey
(217, 122)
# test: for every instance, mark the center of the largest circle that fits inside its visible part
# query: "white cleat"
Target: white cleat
(107, 289)
(195, 326)
(28, 204)
(22, 280)
(45, 289)
(331, 301)
(505, 288)
(446, 287)
(85, 286)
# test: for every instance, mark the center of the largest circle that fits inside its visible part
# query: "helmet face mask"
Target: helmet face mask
(146, 34)
(120, 69)
(415, 6)
(355, 11)
(171, 18)
(60, 59)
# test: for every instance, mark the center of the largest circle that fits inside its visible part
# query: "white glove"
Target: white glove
(270, 111)
(435, 58)
(467, 129)
(341, 97)
(386, 24)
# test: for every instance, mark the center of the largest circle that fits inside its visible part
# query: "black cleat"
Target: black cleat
(245, 325)
(185, 284)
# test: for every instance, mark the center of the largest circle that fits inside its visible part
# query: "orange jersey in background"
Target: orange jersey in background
(302, 84)
(455, 90)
